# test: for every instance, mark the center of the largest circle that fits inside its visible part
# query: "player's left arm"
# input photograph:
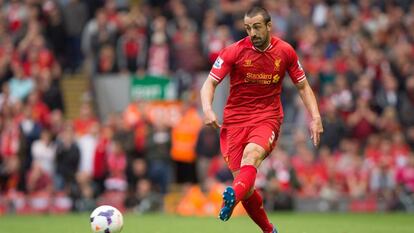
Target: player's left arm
(308, 98)
(297, 74)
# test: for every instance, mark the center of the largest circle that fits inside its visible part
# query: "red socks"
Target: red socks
(244, 181)
(242, 184)
(254, 207)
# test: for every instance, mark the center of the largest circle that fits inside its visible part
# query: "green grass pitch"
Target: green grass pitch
(159, 223)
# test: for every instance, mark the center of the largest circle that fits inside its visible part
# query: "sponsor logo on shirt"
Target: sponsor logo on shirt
(276, 78)
(261, 78)
(248, 63)
(218, 63)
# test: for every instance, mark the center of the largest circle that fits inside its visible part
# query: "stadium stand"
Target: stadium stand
(63, 150)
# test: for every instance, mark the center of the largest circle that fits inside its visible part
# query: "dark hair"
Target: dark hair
(256, 10)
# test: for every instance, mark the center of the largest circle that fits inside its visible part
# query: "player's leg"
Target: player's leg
(244, 178)
(243, 184)
(254, 208)
(265, 136)
(232, 141)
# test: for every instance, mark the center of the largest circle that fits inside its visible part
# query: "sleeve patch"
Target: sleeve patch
(218, 63)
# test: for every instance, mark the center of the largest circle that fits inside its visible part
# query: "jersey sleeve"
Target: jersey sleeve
(223, 63)
(295, 69)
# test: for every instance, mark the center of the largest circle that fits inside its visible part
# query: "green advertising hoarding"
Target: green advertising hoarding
(152, 88)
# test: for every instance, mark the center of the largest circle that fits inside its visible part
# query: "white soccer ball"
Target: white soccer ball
(106, 219)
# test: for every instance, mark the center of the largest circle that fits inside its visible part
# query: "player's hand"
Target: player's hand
(210, 119)
(316, 129)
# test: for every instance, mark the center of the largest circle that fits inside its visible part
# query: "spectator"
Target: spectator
(44, 153)
(277, 179)
(159, 158)
(87, 147)
(335, 129)
(207, 148)
(387, 95)
(309, 173)
(116, 163)
(6, 54)
(159, 51)
(215, 37)
(106, 62)
(16, 13)
(186, 45)
(85, 121)
(75, 15)
(139, 172)
(124, 135)
(9, 161)
(400, 150)
(183, 144)
(357, 178)
(40, 111)
(9, 143)
(67, 162)
(362, 121)
(383, 175)
(6, 100)
(90, 46)
(38, 180)
(405, 180)
(131, 51)
(100, 160)
(57, 123)
(20, 86)
(342, 96)
(55, 31)
(388, 121)
(50, 91)
(144, 199)
(406, 104)
(30, 130)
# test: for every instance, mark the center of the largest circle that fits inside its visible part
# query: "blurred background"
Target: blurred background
(99, 105)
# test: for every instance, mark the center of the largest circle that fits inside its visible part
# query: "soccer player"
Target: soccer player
(253, 113)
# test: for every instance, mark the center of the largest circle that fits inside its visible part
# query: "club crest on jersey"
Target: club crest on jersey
(248, 63)
(218, 63)
(277, 63)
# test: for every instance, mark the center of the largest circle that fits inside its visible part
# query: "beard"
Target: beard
(259, 42)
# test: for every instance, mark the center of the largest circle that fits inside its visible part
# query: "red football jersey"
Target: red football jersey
(255, 80)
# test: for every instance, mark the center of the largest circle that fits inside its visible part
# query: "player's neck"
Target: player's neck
(264, 47)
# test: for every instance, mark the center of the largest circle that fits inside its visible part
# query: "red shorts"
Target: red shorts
(233, 140)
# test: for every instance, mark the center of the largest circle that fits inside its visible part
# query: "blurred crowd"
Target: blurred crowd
(358, 57)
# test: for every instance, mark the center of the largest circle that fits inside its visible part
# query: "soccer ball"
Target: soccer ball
(106, 219)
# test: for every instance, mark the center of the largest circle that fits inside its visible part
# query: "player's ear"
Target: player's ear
(269, 26)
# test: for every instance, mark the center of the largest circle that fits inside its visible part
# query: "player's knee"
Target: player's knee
(253, 154)
(252, 158)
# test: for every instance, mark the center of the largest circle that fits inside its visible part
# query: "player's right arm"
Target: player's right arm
(220, 69)
(207, 96)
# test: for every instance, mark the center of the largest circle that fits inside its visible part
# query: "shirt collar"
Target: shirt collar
(267, 48)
